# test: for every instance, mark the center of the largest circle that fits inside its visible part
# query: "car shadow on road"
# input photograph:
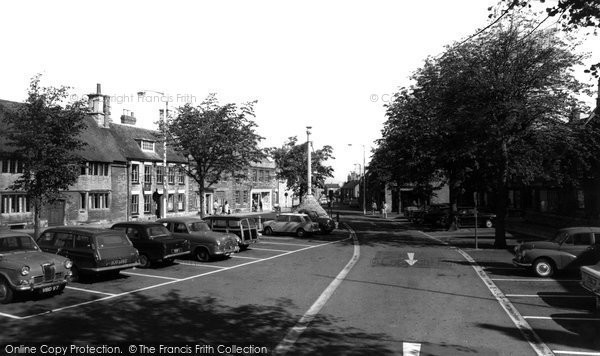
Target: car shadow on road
(202, 320)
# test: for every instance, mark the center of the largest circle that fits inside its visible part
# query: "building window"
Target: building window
(267, 176)
(254, 175)
(245, 197)
(148, 174)
(147, 203)
(98, 169)
(98, 201)
(261, 177)
(171, 175)
(82, 201)
(170, 205)
(238, 197)
(14, 203)
(160, 174)
(11, 166)
(135, 204)
(181, 176)
(135, 173)
(84, 168)
(180, 202)
(147, 145)
(580, 199)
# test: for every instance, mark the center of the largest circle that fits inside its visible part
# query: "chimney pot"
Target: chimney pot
(131, 114)
(98, 88)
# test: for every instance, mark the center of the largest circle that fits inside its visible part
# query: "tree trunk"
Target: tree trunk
(202, 202)
(36, 218)
(501, 200)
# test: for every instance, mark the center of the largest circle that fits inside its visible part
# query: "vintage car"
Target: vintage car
(295, 223)
(571, 248)
(92, 250)
(326, 224)
(466, 217)
(24, 267)
(243, 227)
(205, 244)
(154, 242)
(590, 280)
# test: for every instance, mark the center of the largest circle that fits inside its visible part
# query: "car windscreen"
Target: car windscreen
(112, 240)
(17, 243)
(198, 226)
(157, 231)
(560, 237)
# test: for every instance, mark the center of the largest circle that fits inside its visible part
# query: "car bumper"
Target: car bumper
(521, 264)
(111, 268)
(227, 252)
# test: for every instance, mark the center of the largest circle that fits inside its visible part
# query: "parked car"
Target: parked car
(326, 224)
(299, 224)
(92, 250)
(244, 228)
(24, 267)
(465, 217)
(154, 242)
(571, 248)
(205, 244)
(437, 215)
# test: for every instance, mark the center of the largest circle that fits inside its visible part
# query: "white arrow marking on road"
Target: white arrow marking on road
(411, 349)
(411, 258)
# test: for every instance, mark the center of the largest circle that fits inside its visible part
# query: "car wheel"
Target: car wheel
(201, 254)
(144, 261)
(543, 267)
(170, 260)
(244, 247)
(300, 232)
(6, 293)
(488, 223)
(268, 231)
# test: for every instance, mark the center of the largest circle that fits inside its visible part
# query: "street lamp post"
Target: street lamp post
(364, 176)
(163, 213)
(309, 191)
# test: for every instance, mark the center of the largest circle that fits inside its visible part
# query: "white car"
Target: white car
(298, 224)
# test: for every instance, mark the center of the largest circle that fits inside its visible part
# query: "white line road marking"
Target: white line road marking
(89, 290)
(584, 353)
(198, 264)
(503, 268)
(150, 275)
(276, 238)
(526, 330)
(549, 296)
(292, 336)
(284, 243)
(249, 258)
(535, 280)
(269, 249)
(582, 318)
(174, 281)
(11, 316)
(411, 349)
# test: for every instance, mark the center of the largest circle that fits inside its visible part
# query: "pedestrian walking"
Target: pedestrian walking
(260, 204)
(374, 207)
(216, 207)
(226, 208)
(384, 210)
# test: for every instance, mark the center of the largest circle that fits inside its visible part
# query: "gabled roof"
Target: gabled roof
(128, 138)
(351, 184)
(101, 145)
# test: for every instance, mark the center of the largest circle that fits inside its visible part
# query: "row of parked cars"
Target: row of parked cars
(440, 215)
(63, 254)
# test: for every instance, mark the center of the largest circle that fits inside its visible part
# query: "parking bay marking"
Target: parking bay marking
(535, 280)
(171, 282)
(582, 353)
(549, 296)
(149, 275)
(198, 264)
(271, 249)
(283, 243)
(581, 318)
(89, 291)
(249, 258)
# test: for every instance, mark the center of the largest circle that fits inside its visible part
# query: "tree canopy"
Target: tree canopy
(291, 159)
(220, 140)
(44, 133)
(486, 114)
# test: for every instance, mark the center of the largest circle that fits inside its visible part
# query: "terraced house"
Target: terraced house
(123, 176)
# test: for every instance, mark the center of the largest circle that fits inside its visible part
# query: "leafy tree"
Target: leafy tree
(572, 14)
(487, 113)
(291, 159)
(220, 141)
(45, 138)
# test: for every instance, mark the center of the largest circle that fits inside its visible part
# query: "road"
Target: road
(374, 287)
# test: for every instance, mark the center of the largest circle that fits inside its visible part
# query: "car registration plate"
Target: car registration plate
(50, 289)
(117, 262)
(176, 250)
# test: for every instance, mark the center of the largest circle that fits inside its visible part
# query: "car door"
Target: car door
(281, 223)
(140, 241)
(83, 252)
(578, 248)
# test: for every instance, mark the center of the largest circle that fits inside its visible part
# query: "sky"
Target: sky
(331, 65)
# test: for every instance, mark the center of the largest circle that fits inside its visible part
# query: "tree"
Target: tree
(572, 14)
(488, 112)
(45, 138)
(220, 141)
(291, 159)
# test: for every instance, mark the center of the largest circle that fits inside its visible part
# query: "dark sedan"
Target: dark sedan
(154, 242)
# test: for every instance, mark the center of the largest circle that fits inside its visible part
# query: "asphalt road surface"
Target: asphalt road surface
(373, 287)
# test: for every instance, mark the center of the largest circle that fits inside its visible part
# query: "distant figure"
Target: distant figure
(216, 207)
(384, 210)
(374, 207)
(260, 204)
(226, 208)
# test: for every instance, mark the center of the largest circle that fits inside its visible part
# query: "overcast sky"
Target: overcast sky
(331, 65)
